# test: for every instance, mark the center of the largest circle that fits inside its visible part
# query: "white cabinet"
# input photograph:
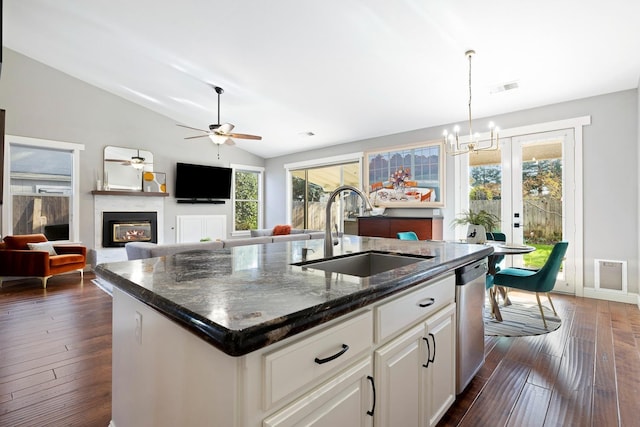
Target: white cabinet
(415, 373)
(440, 381)
(345, 400)
(363, 369)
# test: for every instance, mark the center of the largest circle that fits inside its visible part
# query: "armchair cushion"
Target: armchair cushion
(43, 246)
(281, 230)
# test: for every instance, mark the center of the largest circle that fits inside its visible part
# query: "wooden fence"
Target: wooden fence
(32, 213)
(542, 217)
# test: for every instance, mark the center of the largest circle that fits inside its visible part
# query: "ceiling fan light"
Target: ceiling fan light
(218, 139)
(137, 165)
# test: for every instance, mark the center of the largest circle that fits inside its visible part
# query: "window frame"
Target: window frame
(259, 170)
(74, 209)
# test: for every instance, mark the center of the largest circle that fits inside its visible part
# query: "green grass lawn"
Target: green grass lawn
(537, 258)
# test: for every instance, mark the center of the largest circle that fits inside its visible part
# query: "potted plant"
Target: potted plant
(478, 223)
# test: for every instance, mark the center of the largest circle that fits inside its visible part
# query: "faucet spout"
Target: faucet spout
(328, 240)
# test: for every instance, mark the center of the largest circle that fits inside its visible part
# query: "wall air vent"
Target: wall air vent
(610, 275)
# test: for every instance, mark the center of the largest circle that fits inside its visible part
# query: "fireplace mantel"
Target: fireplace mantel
(129, 193)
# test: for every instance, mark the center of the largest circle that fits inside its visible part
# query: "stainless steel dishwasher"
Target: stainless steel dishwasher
(470, 290)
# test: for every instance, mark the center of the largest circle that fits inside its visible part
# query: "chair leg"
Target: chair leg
(44, 281)
(551, 302)
(544, 321)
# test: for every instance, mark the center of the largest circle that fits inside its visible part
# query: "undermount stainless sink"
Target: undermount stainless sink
(364, 264)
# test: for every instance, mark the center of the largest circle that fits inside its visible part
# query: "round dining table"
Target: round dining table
(501, 249)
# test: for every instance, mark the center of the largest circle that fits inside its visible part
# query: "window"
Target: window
(311, 183)
(248, 210)
(42, 179)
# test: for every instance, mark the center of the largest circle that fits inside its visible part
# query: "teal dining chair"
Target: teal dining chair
(537, 281)
(495, 260)
(407, 235)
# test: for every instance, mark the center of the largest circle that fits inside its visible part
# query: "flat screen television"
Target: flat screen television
(201, 182)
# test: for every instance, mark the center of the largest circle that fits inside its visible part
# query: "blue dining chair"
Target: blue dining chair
(536, 281)
(407, 235)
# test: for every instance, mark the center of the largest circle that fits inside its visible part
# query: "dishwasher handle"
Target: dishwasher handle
(470, 272)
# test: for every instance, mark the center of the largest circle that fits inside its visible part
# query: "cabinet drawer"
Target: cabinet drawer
(292, 367)
(395, 315)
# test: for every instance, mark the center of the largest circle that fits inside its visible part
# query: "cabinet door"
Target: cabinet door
(345, 400)
(374, 227)
(440, 382)
(399, 378)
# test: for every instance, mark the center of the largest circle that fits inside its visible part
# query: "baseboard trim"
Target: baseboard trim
(612, 296)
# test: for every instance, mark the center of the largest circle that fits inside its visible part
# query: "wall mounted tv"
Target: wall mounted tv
(202, 184)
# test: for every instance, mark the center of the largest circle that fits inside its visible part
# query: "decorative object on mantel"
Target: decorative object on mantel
(407, 176)
(452, 141)
(155, 182)
(478, 223)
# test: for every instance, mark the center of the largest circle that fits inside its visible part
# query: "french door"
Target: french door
(528, 183)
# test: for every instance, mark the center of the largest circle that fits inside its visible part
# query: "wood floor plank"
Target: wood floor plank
(569, 408)
(493, 406)
(531, 407)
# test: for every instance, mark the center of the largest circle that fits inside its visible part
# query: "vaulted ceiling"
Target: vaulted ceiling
(343, 70)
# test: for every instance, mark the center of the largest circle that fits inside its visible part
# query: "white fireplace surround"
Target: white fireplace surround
(110, 203)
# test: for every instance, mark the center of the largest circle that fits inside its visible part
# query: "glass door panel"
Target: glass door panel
(310, 192)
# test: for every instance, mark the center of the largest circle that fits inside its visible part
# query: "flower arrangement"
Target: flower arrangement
(399, 177)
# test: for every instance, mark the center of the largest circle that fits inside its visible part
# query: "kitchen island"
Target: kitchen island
(241, 337)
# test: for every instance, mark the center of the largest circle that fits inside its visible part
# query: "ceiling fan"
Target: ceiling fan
(136, 161)
(220, 133)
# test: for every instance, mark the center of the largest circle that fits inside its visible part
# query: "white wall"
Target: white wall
(41, 102)
(610, 173)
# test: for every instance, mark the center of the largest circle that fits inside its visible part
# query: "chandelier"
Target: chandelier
(452, 140)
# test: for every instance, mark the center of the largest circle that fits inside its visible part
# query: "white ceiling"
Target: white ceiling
(343, 69)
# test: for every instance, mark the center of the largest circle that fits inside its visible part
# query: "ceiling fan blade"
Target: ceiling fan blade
(115, 160)
(197, 136)
(244, 136)
(189, 127)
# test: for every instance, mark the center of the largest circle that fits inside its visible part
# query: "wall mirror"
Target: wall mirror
(123, 168)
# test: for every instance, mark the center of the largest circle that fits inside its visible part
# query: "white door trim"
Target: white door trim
(577, 124)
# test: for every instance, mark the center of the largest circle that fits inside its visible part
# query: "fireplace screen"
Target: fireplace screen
(131, 232)
(119, 228)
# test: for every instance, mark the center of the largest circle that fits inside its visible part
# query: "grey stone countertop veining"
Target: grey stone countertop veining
(247, 297)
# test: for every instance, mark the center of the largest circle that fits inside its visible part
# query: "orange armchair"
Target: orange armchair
(18, 260)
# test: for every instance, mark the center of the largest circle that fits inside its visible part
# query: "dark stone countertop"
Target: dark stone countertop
(247, 297)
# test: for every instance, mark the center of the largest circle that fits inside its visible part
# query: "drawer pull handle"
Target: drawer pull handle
(373, 387)
(333, 357)
(430, 301)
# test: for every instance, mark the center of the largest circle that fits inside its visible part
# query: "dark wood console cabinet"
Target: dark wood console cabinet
(385, 226)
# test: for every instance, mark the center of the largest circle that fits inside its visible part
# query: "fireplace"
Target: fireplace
(118, 228)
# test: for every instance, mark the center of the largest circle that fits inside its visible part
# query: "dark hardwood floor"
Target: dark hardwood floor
(55, 353)
(55, 364)
(587, 373)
